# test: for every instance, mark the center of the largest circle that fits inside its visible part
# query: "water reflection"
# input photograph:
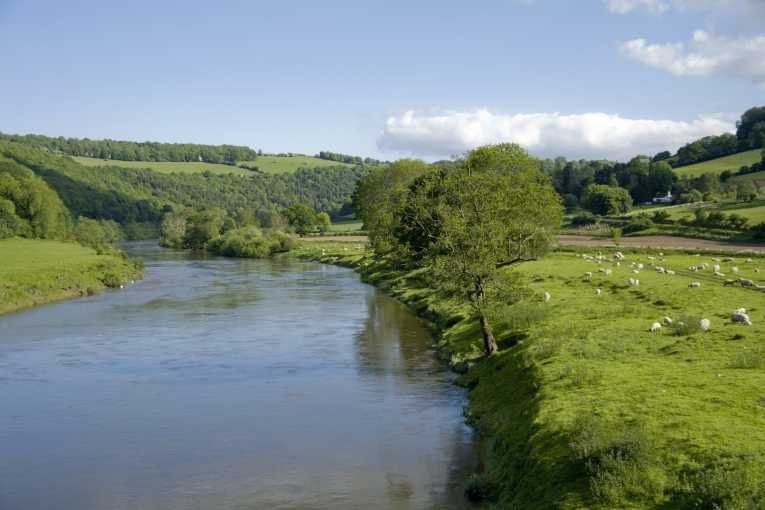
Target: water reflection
(218, 383)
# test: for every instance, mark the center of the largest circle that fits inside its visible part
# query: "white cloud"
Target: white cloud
(662, 6)
(705, 55)
(587, 135)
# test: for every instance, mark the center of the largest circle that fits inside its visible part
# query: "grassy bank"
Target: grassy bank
(583, 407)
(34, 272)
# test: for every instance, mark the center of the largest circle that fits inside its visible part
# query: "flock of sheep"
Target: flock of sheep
(739, 316)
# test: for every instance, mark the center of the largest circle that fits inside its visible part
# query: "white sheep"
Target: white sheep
(704, 324)
(670, 272)
(718, 273)
(588, 275)
(546, 296)
(655, 327)
(598, 292)
(619, 255)
(636, 271)
(741, 317)
(749, 261)
(734, 269)
(694, 285)
(716, 268)
(634, 282)
(668, 321)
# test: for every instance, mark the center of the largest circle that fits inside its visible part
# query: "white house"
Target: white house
(663, 199)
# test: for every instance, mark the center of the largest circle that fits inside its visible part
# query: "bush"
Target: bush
(690, 197)
(660, 217)
(251, 242)
(638, 223)
(583, 218)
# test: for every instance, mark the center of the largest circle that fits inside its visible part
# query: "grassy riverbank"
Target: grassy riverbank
(583, 407)
(33, 272)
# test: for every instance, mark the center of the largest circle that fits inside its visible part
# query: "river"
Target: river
(228, 384)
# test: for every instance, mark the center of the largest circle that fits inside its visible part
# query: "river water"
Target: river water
(228, 384)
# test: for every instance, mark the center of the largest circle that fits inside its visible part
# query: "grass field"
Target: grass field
(285, 164)
(267, 164)
(583, 407)
(716, 166)
(166, 166)
(39, 271)
(346, 226)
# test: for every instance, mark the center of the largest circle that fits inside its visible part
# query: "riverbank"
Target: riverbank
(583, 407)
(34, 272)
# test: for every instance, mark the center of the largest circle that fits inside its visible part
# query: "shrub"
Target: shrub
(660, 217)
(583, 218)
(638, 223)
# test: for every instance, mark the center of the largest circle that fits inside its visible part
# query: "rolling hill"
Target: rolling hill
(719, 165)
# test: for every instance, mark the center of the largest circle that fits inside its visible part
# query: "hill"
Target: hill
(266, 163)
(136, 195)
(719, 165)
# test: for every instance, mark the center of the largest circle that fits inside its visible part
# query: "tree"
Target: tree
(324, 222)
(496, 210)
(749, 120)
(300, 217)
(203, 226)
(606, 200)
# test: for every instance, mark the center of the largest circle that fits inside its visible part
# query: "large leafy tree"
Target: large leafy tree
(496, 210)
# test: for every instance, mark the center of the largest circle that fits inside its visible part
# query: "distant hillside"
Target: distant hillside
(136, 151)
(136, 195)
(167, 167)
(285, 164)
(719, 165)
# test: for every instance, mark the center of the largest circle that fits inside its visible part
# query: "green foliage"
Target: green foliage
(251, 242)
(301, 218)
(606, 200)
(140, 196)
(28, 206)
(638, 223)
(323, 222)
(97, 233)
(718, 165)
(136, 151)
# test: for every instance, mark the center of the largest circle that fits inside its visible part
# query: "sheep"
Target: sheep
(694, 285)
(728, 282)
(693, 269)
(640, 266)
(667, 321)
(749, 261)
(636, 271)
(655, 327)
(704, 266)
(718, 273)
(619, 264)
(716, 268)
(660, 269)
(745, 282)
(633, 282)
(598, 292)
(588, 275)
(741, 317)
(619, 255)
(756, 269)
(651, 258)
(740, 310)
(734, 269)
(546, 296)
(704, 324)
(670, 272)
(728, 259)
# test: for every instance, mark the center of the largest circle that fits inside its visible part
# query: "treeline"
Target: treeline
(345, 158)
(138, 199)
(750, 134)
(491, 209)
(136, 151)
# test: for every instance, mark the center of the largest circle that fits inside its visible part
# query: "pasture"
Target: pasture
(288, 164)
(579, 374)
(167, 167)
(719, 165)
(38, 271)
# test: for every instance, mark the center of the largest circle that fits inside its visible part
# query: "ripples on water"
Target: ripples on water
(228, 384)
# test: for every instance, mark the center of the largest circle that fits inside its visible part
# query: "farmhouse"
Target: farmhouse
(663, 199)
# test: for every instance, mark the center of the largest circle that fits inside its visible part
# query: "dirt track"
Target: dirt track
(667, 242)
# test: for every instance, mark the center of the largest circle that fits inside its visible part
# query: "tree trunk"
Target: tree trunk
(489, 343)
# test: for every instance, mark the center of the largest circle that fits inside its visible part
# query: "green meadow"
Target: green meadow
(719, 165)
(583, 406)
(165, 166)
(288, 164)
(34, 272)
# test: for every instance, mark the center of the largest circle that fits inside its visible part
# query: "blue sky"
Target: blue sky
(385, 79)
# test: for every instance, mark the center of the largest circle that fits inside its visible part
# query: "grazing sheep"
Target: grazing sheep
(741, 317)
(704, 266)
(633, 282)
(636, 271)
(729, 282)
(740, 310)
(694, 285)
(718, 273)
(618, 264)
(734, 269)
(660, 269)
(745, 282)
(640, 266)
(588, 275)
(598, 292)
(715, 259)
(667, 321)
(546, 296)
(693, 269)
(670, 272)
(619, 255)
(756, 269)
(651, 258)
(704, 324)
(749, 261)
(716, 268)
(655, 327)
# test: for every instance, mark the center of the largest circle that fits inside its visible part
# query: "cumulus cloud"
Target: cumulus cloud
(587, 135)
(705, 55)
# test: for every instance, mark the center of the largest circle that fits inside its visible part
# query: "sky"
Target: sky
(428, 79)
